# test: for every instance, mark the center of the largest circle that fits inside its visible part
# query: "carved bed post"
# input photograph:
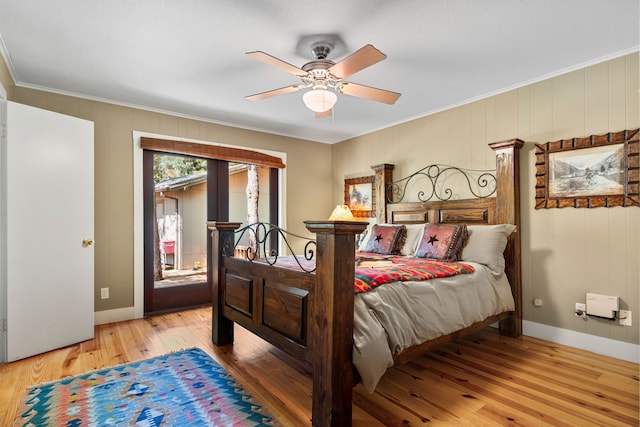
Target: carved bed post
(222, 244)
(383, 178)
(332, 322)
(508, 211)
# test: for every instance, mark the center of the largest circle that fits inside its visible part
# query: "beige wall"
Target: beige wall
(191, 233)
(565, 252)
(193, 222)
(5, 78)
(308, 163)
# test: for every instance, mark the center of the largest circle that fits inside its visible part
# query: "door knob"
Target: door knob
(87, 242)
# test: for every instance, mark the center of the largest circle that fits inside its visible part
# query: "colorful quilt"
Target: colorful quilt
(390, 269)
(403, 269)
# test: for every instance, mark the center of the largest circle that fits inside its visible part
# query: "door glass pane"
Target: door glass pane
(180, 242)
(241, 198)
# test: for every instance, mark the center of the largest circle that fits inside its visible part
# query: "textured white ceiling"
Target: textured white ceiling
(186, 57)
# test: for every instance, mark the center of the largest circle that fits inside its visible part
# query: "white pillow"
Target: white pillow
(364, 239)
(414, 232)
(485, 245)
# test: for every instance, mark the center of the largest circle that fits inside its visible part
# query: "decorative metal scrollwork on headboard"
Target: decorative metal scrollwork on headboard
(480, 183)
(262, 234)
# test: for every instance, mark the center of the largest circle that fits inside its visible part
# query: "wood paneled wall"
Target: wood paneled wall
(565, 252)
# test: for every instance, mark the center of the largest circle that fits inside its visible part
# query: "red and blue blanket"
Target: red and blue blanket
(404, 269)
(375, 270)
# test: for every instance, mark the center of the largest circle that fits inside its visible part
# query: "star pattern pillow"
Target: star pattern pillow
(387, 240)
(443, 242)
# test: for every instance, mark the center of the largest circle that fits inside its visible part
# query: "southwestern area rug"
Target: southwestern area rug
(186, 388)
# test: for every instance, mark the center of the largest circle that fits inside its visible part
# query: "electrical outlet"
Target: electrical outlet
(625, 317)
(104, 293)
(581, 310)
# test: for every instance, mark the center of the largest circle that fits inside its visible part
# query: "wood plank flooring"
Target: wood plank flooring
(483, 380)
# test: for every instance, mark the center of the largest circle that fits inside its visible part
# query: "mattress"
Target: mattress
(398, 315)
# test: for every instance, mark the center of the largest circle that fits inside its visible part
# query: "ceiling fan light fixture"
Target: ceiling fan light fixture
(319, 100)
(324, 78)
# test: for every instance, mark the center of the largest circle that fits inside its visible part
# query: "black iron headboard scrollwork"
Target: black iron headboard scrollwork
(262, 233)
(481, 183)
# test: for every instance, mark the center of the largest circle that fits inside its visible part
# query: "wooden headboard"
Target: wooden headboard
(471, 211)
(504, 208)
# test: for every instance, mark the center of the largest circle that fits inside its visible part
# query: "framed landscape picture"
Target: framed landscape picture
(588, 172)
(359, 196)
(585, 172)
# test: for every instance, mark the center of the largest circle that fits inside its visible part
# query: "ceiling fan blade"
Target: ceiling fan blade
(324, 114)
(272, 93)
(368, 92)
(272, 60)
(358, 60)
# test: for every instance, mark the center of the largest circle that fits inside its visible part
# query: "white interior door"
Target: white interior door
(49, 213)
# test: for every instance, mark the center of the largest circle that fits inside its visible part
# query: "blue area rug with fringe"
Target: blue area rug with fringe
(186, 388)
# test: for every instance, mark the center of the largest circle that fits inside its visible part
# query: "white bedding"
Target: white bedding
(395, 316)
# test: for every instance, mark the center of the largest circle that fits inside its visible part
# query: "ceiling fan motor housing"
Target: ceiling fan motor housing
(319, 75)
(321, 49)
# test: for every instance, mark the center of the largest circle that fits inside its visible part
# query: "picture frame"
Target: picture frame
(360, 197)
(595, 171)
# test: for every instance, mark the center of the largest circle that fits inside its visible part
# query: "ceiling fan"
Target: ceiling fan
(325, 78)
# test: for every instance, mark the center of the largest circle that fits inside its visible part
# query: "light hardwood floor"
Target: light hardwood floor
(483, 380)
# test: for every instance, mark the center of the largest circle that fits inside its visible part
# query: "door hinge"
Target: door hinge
(3, 325)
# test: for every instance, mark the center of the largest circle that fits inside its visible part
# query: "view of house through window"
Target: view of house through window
(180, 208)
(180, 235)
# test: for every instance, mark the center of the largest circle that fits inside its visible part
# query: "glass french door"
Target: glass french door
(181, 193)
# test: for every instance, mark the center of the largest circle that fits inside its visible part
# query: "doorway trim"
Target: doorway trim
(3, 226)
(137, 311)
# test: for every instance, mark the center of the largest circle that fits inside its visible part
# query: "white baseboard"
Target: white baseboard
(116, 315)
(600, 345)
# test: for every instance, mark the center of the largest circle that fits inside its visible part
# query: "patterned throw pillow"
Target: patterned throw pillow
(387, 240)
(443, 242)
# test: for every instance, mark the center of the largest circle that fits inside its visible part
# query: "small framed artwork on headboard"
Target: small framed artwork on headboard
(596, 171)
(360, 197)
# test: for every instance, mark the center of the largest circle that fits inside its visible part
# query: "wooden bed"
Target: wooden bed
(310, 315)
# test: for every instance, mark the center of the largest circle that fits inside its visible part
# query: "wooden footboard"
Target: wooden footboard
(307, 315)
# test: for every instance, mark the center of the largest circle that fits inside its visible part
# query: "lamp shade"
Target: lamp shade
(319, 100)
(341, 213)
